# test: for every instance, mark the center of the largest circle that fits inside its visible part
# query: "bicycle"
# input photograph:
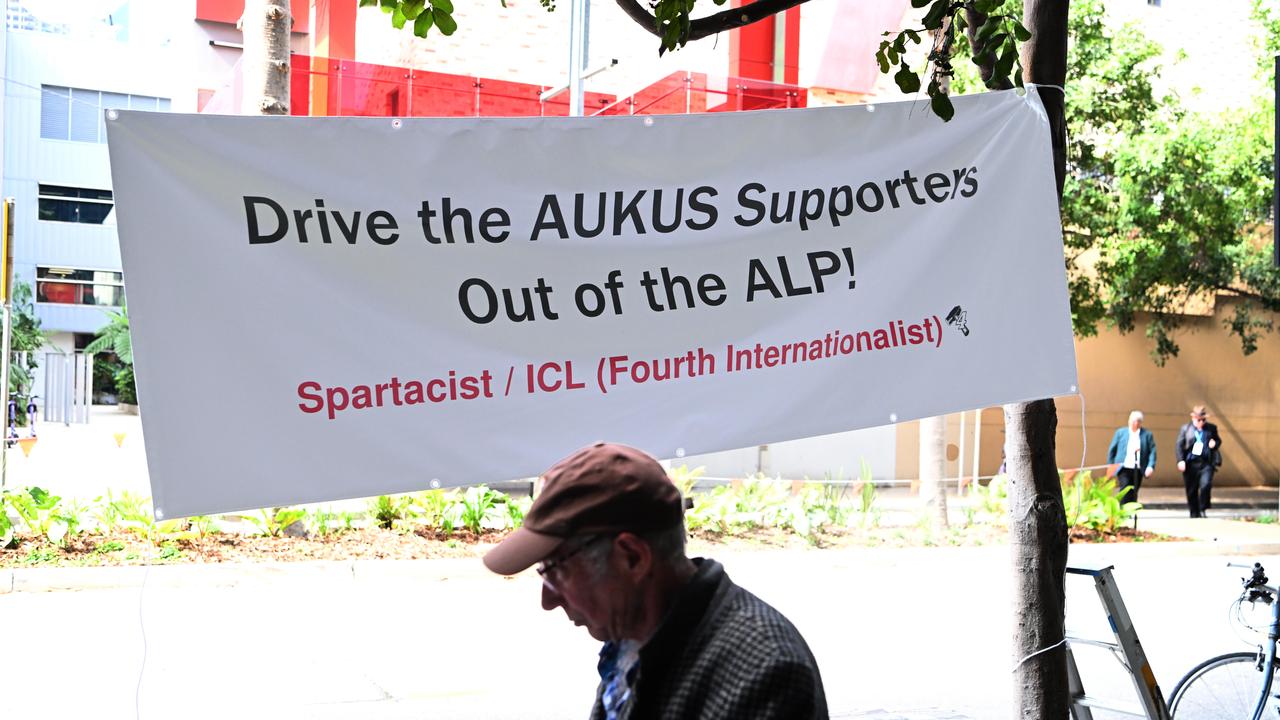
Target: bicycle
(1237, 685)
(11, 434)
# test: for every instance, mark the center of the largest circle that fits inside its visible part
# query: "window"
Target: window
(59, 203)
(71, 286)
(76, 114)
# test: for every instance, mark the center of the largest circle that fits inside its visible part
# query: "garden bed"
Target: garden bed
(125, 548)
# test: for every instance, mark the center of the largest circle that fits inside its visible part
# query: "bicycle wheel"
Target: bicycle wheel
(1220, 688)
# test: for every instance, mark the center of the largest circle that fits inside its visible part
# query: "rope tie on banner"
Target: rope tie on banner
(1059, 88)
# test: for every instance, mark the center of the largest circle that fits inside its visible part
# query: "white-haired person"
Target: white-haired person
(1133, 450)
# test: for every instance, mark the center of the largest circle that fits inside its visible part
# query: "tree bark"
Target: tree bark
(265, 64)
(933, 464)
(1038, 525)
(712, 24)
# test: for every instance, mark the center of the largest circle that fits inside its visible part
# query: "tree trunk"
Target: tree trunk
(265, 63)
(932, 469)
(1037, 524)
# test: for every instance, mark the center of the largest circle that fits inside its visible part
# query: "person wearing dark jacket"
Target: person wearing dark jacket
(681, 640)
(1133, 452)
(1198, 449)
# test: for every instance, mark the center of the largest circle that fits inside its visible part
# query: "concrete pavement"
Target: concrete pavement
(900, 634)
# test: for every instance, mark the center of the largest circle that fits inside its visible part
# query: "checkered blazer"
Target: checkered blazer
(723, 653)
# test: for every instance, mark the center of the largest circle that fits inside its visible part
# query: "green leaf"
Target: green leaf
(368, 3)
(920, 3)
(942, 107)
(882, 61)
(1021, 32)
(413, 8)
(908, 82)
(1004, 65)
(933, 19)
(444, 21)
(989, 28)
(915, 36)
(398, 18)
(986, 7)
(445, 5)
(388, 6)
(422, 24)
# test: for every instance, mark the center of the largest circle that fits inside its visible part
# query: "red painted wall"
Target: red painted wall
(229, 11)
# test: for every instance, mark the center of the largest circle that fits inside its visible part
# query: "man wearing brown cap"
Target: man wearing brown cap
(681, 640)
(1198, 451)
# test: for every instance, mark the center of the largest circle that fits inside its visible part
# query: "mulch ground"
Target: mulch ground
(426, 543)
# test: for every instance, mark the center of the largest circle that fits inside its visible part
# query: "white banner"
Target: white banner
(326, 308)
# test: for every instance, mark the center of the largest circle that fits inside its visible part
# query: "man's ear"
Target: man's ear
(634, 555)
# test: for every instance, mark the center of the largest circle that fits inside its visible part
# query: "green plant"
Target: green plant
(40, 513)
(109, 546)
(348, 519)
(1096, 504)
(479, 507)
(1266, 519)
(135, 516)
(517, 508)
(684, 478)
(272, 523)
(170, 551)
(993, 498)
(387, 509)
(41, 555)
(432, 505)
(868, 513)
(8, 538)
(26, 338)
(114, 337)
(203, 526)
(321, 522)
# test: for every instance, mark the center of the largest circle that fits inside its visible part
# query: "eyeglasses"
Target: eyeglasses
(551, 570)
(1197, 419)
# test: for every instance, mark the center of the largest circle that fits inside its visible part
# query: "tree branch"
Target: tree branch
(712, 24)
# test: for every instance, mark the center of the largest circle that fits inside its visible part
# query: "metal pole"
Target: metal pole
(6, 293)
(578, 14)
(977, 442)
(4, 382)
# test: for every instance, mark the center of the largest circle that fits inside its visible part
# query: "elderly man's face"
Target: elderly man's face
(1135, 423)
(592, 600)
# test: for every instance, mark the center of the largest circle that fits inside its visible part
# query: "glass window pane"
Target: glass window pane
(59, 191)
(142, 102)
(57, 210)
(92, 212)
(56, 292)
(163, 105)
(115, 100)
(54, 109)
(85, 109)
(110, 295)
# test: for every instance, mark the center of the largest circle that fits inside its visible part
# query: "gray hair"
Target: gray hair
(1136, 415)
(667, 546)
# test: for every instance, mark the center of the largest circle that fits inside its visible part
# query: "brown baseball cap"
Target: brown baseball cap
(603, 488)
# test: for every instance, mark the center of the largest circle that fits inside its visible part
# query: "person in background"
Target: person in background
(1133, 449)
(681, 640)
(1198, 449)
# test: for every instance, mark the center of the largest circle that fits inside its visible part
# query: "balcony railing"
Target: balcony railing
(367, 89)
